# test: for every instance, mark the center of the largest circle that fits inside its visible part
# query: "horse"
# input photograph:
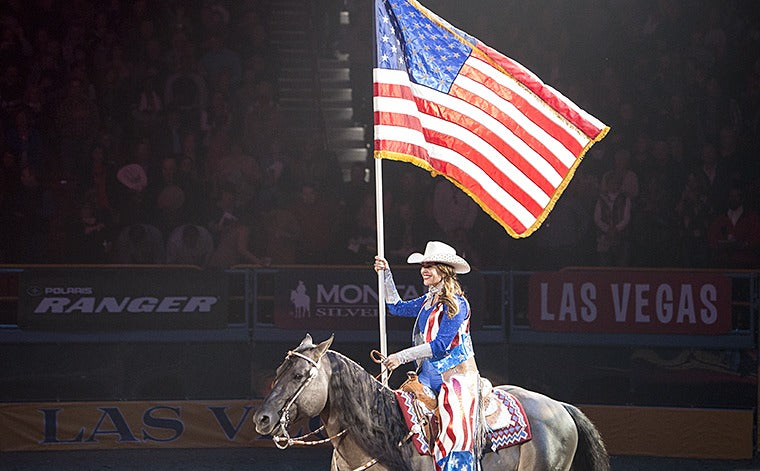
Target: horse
(366, 427)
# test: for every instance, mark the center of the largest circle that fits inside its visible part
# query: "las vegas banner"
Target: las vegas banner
(631, 302)
(128, 424)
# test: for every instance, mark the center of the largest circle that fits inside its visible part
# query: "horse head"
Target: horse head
(299, 389)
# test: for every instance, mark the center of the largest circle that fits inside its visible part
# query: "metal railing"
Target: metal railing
(503, 309)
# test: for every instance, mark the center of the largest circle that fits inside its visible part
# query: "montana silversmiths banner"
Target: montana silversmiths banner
(121, 298)
(346, 299)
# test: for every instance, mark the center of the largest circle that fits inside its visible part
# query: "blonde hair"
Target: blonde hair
(450, 288)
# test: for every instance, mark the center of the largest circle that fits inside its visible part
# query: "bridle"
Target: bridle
(283, 440)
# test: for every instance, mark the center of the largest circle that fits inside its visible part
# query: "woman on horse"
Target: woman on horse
(442, 350)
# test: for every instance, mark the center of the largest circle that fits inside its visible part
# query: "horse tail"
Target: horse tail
(591, 454)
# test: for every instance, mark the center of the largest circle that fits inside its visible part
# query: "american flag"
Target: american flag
(448, 103)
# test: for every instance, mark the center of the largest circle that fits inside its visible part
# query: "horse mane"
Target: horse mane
(369, 411)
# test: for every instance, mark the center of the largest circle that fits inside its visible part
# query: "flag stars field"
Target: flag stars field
(475, 116)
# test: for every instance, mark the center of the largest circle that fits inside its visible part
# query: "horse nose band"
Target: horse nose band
(283, 441)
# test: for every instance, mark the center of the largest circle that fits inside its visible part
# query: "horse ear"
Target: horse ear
(307, 342)
(322, 347)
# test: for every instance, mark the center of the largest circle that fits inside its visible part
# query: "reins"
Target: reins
(379, 358)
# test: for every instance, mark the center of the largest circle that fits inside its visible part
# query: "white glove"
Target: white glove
(391, 293)
(420, 352)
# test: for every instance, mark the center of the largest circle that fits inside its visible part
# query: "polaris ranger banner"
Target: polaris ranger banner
(119, 298)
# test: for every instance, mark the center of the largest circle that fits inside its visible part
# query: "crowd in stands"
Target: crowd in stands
(149, 132)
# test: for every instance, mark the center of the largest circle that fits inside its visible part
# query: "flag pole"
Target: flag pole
(380, 252)
(379, 223)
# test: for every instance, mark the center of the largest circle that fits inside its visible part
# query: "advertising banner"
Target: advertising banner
(346, 299)
(632, 302)
(118, 298)
(111, 425)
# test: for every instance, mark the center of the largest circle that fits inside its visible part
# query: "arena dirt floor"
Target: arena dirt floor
(272, 459)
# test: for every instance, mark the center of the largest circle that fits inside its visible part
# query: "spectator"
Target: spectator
(169, 208)
(263, 120)
(99, 175)
(735, 234)
(11, 90)
(217, 128)
(76, 122)
(170, 133)
(612, 215)
(147, 108)
(316, 216)
(240, 171)
(407, 229)
(189, 244)
(234, 246)
(276, 182)
(355, 190)
(560, 238)
(194, 190)
(31, 212)
(732, 159)
(455, 212)
(140, 244)
(282, 233)
(223, 210)
(10, 183)
(714, 174)
(133, 206)
(186, 91)
(360, 243)
(219, 60)
(621, 165)
(317, 165)
(93, 237)
(694, 216)
(24, 140)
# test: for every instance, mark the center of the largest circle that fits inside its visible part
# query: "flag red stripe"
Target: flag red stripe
(525, 107)
(393, 90)
(472, 185)
(420, 154)
(473, 404)
(398, 119)
(534, 84)
(399, 91)
(465, 424)
(462, 148)
(512, 126)
(510, 154)
(450, 432)
(415, 153)
(399, 147)
(494, 172)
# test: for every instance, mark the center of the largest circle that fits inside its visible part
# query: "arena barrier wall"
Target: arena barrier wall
(675, 432)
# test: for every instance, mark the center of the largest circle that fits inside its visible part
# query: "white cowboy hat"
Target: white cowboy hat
(439, 252)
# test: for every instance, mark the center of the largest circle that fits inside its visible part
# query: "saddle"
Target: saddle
(425, 407)
(505, 420)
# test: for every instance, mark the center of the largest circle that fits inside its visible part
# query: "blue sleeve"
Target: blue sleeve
(407, 308)
(448, 329)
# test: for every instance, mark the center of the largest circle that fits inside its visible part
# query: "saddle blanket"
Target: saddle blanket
(507, 423)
